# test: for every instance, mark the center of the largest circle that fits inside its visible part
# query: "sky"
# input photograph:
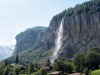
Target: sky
(18, 15)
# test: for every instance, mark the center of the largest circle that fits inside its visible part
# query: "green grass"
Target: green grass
(95, 72)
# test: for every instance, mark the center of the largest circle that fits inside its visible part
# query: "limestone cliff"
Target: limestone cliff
(81, 32)
(27, 39)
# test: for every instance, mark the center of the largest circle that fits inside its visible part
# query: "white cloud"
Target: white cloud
(10, 43)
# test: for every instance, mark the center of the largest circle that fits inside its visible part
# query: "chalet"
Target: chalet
(47, 65)
(22, 67)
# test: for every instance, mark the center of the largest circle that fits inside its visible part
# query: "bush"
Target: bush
(42, 72)
(79, 61)
(65, 73)
(17, 71)
(63, 66)
(68, 67)
(86, 71)
(76, 69)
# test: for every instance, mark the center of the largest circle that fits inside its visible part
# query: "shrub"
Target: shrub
(86, 71)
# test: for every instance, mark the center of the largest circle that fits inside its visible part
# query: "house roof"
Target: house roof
(46, 67)
(55, 72)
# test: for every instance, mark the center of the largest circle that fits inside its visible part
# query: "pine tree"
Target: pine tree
(31, 67)
(6, 62)
(17, 59)
(48, 62)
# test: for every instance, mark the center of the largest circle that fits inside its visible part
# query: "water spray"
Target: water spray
(58, 41)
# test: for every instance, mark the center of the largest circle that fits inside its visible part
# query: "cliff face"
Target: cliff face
(81, 32)
(46, 39)
(27, 39)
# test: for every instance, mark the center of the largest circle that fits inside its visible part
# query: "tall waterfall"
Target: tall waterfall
(58, 41)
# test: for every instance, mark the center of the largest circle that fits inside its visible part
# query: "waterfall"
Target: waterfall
(58, 41)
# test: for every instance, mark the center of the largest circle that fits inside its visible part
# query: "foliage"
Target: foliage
(31, 67)
(17, 59)
(63, 66)
(86, 71)
(6, 62)
(90, 60)
(36, 65)
(95, 50)
(95, 72)
(79, 61)
(17, 71)
(93, 59)
(42, 72)
(6, 71)
(65, 73)
(28, 70)
(31, 55)
(68, 67)
(85, 8)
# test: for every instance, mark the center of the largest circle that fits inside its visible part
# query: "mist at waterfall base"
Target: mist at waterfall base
(58, 41)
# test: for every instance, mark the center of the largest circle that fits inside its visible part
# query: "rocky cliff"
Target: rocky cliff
(27, 39)
(81, 32)
(81, 29)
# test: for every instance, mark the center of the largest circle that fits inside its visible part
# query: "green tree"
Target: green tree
(55, 66)
(48, 62)
(31, 67)
(36, 65)
(17, 71)
(6, 71)
(17, 59)
(62, 66)
(95, 50)
(6, 62)
(42, 71)
(86, 71)
(28, 70)
(68, 67)
(93, 59)
(79, 61)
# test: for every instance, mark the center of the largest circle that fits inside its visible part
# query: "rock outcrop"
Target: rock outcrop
(27, 38)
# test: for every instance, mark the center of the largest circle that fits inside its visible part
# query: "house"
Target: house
(47, 65)
(56, 73)
(47, 68)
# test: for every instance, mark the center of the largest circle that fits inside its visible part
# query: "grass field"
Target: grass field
(95, 72)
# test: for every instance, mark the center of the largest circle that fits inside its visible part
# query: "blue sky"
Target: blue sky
(18, 15)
